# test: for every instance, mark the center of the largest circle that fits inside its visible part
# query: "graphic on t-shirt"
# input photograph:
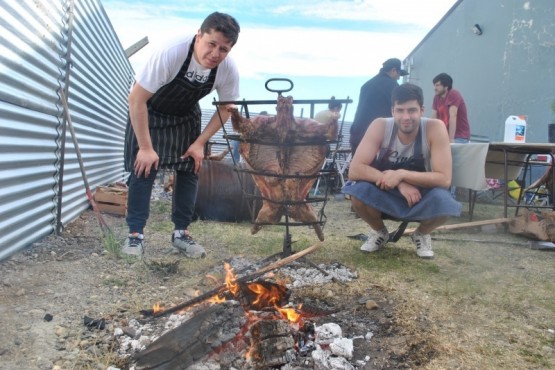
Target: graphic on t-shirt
(193, 75)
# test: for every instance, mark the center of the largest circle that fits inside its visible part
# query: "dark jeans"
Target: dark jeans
(183, 201)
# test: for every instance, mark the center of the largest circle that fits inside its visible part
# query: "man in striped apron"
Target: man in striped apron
(402, 170)
(164, 124)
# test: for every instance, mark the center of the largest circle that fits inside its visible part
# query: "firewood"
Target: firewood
(465, 224)
(272, 343)
(199, 336)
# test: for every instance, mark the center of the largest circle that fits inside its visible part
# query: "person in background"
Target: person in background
(449, 106)
(164, 125)
(375, 99)
(401, 170)
(333, 111)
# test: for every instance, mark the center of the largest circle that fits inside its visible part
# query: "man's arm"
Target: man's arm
(434, 113)
(138, 114)
(441, 162)
(196, 150)
(359, 168)
(453, 109)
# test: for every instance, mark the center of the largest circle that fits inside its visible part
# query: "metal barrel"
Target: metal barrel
(222, 193)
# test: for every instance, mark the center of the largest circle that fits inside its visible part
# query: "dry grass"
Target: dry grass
(480, 304)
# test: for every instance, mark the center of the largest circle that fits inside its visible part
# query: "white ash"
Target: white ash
(148, 332)
(342, 347)
(327, 333)
(309, 276)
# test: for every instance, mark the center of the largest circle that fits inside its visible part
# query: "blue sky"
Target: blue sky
(325, 47)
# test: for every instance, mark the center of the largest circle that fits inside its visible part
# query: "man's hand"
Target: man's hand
(410, 192)
(145, 161)
(390, 179)
(195, 151)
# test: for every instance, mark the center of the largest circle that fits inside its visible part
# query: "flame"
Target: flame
(291, 314)
(230, 278)
(157, 307)
(272, 296)
(217, 299)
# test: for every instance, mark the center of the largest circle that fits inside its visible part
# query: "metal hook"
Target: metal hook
(279, 91)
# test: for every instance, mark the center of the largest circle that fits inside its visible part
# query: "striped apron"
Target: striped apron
(174, 120)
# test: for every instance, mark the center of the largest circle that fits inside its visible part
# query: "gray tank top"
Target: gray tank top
(406, 152)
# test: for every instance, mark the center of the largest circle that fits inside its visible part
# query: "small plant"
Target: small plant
(111, 244)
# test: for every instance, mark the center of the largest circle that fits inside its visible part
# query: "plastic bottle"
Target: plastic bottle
(515, 129)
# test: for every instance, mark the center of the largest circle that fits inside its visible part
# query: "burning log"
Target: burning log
(261, 294)
(272, 343)
(209, 330)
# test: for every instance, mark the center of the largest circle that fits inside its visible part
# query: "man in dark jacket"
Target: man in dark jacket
(375, 99)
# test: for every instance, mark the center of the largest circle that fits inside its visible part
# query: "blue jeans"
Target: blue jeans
(183, 201)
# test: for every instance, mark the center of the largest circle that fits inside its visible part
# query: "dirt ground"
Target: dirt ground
(49, 288)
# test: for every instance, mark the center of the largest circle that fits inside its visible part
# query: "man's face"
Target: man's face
(439, 89)
(211, 48)
(396, 75)
(407, 116)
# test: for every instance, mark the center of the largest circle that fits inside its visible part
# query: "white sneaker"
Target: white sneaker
(376, 240)
(183, 241)
(134, 245)
(423, 244)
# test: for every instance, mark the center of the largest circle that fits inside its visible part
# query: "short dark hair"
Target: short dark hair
(445, 80)
(334, 104)
(224, 23)
(407, 92)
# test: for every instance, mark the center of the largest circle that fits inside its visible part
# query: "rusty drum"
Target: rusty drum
(222, 193)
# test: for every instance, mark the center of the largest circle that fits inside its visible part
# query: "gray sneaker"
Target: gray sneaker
(376, 240)
(185, 243)
(423, 244)
(134, 245)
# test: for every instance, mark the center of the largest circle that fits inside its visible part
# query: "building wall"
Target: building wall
(49, 47)
(508, 70)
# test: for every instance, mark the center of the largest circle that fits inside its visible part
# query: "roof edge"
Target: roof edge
(434, 28)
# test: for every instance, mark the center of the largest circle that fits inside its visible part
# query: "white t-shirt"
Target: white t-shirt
(164, 64)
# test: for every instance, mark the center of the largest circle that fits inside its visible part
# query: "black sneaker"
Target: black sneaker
(185, 243)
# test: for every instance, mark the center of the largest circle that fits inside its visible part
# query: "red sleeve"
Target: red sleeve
(454, 98)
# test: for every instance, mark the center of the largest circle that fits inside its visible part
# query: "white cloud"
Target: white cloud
(293, 51)
(317, 52)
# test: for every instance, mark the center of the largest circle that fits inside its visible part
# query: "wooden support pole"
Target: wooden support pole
(465, 224)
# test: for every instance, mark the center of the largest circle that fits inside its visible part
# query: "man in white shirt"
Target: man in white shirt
(164, 125)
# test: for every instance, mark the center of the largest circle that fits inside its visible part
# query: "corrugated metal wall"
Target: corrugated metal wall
(46, 46)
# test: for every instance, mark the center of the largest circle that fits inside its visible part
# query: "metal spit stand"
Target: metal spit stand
(325, 173)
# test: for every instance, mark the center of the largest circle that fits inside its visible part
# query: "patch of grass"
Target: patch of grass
(114, 281)
(112, 245)
(161, 206)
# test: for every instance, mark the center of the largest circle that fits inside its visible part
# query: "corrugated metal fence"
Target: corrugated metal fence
(47, 46)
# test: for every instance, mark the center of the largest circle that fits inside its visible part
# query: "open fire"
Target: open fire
(248, 325)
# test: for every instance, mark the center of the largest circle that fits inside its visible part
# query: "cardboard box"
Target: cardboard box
(111, 199)
(533, 225)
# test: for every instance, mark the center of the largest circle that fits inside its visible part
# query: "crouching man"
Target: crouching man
(402, 170)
